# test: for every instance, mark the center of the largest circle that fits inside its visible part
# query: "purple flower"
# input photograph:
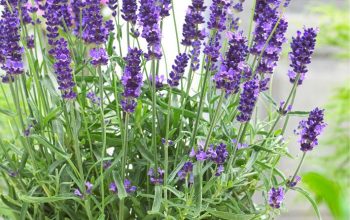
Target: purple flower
(78, 193)
(57, 15)
(88, 186)
(227, 80)
(284, 110)
(276, 197)
(128, 10)
(128, 187)
(94, 30)
(149, 17)
(266, 17)
(221, 154)
(193, 19)
(156, 177)
(131, 80)
(11, 51)
(30, 42)
(178, 70)
(310, 129)
(77, 7)
(165, 7)
(13, 67)
(219, 170)
(237, 52)
(248, 99)
(93, 98)
(186, 169)
(303, 46)
(218, 14)
(159, 81)
(293, 183)
(192, 153)
(170, 142)
(113, 187)
(195, 54)
(212, 49)
(201, 155)
(98, 56)
(239, 145)
(63, 70)
(113, 5)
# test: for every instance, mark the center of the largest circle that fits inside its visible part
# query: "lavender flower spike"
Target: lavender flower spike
(98, 56)
(310, 129)
(131, 80)
(178, 70)
(248, 99)
(63, 70)
(276, 197)
(303, 46)
(129, 9)
(218, 14)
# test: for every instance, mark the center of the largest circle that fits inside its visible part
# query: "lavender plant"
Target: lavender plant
(98, 134)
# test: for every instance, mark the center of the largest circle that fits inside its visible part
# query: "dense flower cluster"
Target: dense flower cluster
(310, 129)
(165, 7)
(276, 197)
(98, 56)
(248, 99)
(63, 69)
(128, 10)
(113, 5)
(268, 22)
(217, 155)
(185, 171)
(229, 77)
(193, 19)
(11, 51)
(178, 70)
(156, 177)
(218, 14)
(127, 185)
(131, 80)
(149, 18)
(57, 15)
(303, 46)
(94, 29)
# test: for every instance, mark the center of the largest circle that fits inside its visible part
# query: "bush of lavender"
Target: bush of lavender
(103, 126)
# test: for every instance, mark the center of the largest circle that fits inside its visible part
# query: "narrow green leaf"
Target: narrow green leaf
(311, 200)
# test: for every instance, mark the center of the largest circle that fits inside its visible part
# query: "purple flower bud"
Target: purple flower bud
(310, 129)
(296, 180)
(248, 99)
(303, 46)
(132, 80)
(113, 187)
(276, 197)
(128, 187)
(218, 14)
(186, 169)
(93, 98)
(178, 70)
(219, 170)
(88, 187)
(30, 42)
(63, 69)
(78, 193)
(156, 177)
(282, 109)
(128, 10)
(98, 56)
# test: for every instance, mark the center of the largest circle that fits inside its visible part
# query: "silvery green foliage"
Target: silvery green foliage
(96, 133)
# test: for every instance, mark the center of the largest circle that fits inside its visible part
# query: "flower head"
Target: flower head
(63, 69)
(310, 129)
(276, 197)
(178, 70)
(98, 56)
(156, 177)
(218, 14)
(248, 100)
(186, 169)
(128, 10)
(303, 46)
(131, 80)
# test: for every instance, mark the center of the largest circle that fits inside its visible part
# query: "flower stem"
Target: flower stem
(125, 154)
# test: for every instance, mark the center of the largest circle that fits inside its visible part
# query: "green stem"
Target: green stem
(103, 133)
(124, 158)
(175, 25)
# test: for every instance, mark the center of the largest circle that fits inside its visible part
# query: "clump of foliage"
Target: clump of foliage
(100, 133)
